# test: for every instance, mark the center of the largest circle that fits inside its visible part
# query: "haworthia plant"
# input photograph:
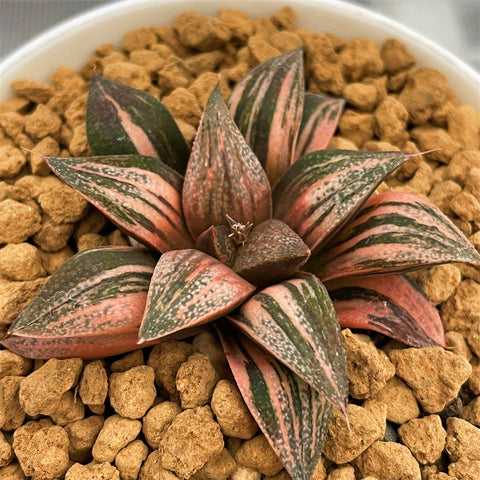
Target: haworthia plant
(259, 232)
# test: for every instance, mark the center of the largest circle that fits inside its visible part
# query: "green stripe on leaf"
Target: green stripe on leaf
(97, 292)
(390, 304)
(140, 194)
(223, 176)
(295, 321)
(323, 190)
(320, 118)
(123, 120)
(293, 416)
(394, 232)
(190, 288)
(267, 107)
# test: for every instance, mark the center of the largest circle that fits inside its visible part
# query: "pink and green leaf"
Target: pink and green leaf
(323, 190)
(390, 304)
(124, 120)
(271, 252)
(95, 294)
(295, 321)
(293, 416)
(140, 194)
(267, 107)
(320, 118)
(189, 288)
(394, 232)
(87, 347)
(223, 176)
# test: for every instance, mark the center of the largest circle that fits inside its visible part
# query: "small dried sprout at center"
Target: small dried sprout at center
(278, 246)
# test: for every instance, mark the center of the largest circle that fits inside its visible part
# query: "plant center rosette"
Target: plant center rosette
(259, 229)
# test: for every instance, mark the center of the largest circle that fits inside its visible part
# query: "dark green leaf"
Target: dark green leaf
(123, 120)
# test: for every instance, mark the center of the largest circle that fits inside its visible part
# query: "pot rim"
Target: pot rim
(73, 41)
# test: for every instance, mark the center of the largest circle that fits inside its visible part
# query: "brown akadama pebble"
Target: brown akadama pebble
(69, 409)
(400, 401)
(195, 381)
(81, 436)
(40, 392)
(425, 437)
(93, 385)
(388, 461)
(165, 359)
(42, 450)
(12, 414)
(217, 468)
(190, 441)
(21, 261)
(434, 374)
(132, 392)
(257, 453)
(462, 310)
(343, 444)
(231, 412)
(17, 221)
(463, 440)
(368, 368)
(92, 471)
(117, 432)
(201, 32)
(6, 451)
(157, 420)
(129, 459)
(13, 364)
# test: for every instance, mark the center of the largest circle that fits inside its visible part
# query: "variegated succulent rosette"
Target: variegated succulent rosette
(259, 229)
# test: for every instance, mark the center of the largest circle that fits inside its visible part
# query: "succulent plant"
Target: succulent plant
(259, 229)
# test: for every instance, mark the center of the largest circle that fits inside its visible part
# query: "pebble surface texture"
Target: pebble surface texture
(173, 412)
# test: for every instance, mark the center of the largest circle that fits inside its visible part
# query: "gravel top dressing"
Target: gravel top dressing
(173, 411)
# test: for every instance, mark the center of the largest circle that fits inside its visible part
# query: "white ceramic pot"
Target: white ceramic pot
(72, 43)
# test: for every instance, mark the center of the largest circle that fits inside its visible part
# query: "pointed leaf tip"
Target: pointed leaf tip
(295, 321)
(124, 120)
(189, 288)
(394, 232)
(140, 194)
(320, 118)
(323, 190)
(267, 107)
(293, 416)
(223, 176)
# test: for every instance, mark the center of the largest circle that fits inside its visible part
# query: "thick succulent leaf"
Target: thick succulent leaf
(267, 107)
(271, 252)
(123, 120)
(86, 347)
(394, 232)
(140, 194)
(293, 416)
(295, 321)
(98, 292)
(189, 288)
(320, 118)
(223, 176)
(390, 304)
(218, 243)
(323, 190)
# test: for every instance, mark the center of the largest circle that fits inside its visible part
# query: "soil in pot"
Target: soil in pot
(173, 411)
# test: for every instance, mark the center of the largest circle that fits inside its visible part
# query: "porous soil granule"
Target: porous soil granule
(173, 411)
